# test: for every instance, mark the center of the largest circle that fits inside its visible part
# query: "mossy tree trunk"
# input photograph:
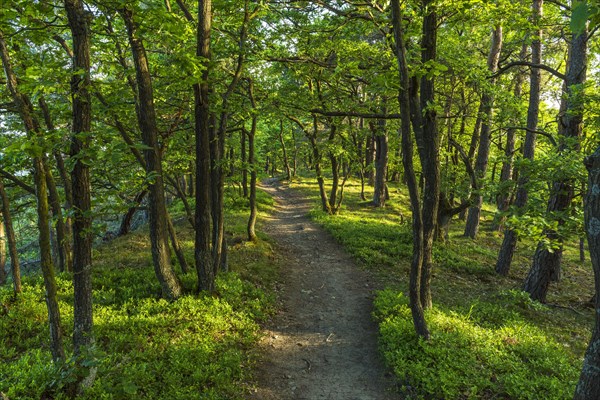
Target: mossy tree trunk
(10, 239)
(32, 127)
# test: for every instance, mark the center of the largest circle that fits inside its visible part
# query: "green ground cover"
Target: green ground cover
(489, 341)
(199, 347)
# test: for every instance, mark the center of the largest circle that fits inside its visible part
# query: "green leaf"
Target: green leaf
(579, 16)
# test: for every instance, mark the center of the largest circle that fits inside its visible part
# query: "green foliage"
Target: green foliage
(489, 351)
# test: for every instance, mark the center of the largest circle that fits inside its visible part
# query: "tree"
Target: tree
(170, 285)
(202, 252)
(588, 387)
(483, 154)
(409, 173)
(32, 127)
(546, 261)
(509, 243)
(81, 187)
(10, 239)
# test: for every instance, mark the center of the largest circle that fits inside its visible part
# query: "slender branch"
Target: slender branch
(354, 114)
(543, 133)
(17, 181)
(528, 64)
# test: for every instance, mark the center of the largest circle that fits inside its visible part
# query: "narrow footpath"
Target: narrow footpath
(323, 342)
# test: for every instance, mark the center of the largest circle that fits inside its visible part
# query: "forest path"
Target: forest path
(323, 343)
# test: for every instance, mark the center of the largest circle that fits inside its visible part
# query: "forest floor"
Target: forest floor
(322, 344)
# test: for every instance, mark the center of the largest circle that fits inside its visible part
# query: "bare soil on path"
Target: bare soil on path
(323, 343)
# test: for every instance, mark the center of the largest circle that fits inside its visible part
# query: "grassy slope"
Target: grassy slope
(488, 339)
(197, 347)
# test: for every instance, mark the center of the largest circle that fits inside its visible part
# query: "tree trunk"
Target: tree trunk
(64, 248)
(202, 252)
(170, 285)
(63, 225)
(429, 145)
(509, 243)
(588, 387)
(177, 246)
(3, 274)
(181, 194)
(244, 163)
(483, 154)
(286, 163)
(32, 127)
(409, 173)
(83, 337)
(546, 263)
(125, 226)
(506, 174)
(10, 238)
(381, 161)
(56, 335)
(251, 164)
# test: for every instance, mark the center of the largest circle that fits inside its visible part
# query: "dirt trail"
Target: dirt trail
(323, 344)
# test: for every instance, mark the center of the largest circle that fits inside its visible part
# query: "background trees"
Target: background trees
(196, 98)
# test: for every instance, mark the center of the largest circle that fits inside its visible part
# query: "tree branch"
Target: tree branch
(528, 64)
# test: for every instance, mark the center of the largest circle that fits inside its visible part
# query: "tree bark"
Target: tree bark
(10, 238)
(409, 173)
(32, 127)
(202, 252)
(509, 243)
(588, 387)
(125, 226)
(170, 285)
(483, 153)
(546, 263)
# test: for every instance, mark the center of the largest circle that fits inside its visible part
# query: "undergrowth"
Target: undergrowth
(489, 340)
(198, 347)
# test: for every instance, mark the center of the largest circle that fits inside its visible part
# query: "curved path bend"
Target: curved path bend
(323, 342)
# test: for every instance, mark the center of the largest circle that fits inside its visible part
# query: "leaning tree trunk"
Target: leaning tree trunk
(159, 235)
(483, 154)
(588, 387)
(32, 127)
(177, 246)
(125, 226)
(509, 243)
(546, 262)
(409, 174)
(63, 228)
(10, 238)
(202, 252)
